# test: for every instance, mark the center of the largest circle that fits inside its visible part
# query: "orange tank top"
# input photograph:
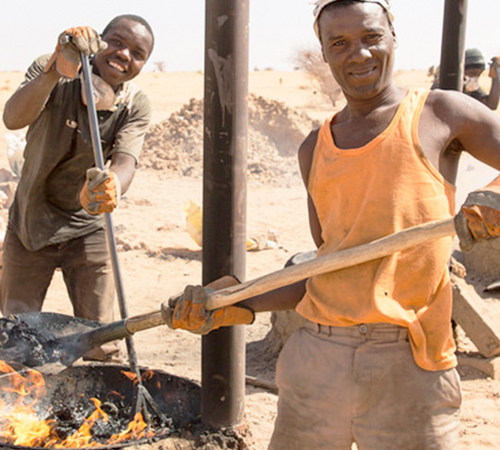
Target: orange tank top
(366, 193)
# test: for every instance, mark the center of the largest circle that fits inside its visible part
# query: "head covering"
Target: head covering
(320, 5)
(474, 59)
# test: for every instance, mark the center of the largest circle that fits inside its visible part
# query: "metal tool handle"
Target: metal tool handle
(142, 397)
(110, 234)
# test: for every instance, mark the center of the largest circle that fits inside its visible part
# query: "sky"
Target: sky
(278, 29)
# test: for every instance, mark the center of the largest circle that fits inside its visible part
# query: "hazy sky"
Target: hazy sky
(278, 28)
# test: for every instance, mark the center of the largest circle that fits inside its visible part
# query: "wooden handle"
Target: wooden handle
(328, 263)
(335, 261)
(144, 322)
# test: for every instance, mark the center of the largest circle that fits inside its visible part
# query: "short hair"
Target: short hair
(133, 18)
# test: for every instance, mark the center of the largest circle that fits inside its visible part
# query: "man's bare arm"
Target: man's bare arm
(26, 103)
(306, 153)
(281, 299)
(450, 116)
(123, 165)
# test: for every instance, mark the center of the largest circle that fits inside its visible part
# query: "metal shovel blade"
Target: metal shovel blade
(36, 339)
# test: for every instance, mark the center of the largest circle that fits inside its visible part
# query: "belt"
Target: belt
(376, 331)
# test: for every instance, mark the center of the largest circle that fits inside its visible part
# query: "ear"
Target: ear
(394, 37)
(323, 54)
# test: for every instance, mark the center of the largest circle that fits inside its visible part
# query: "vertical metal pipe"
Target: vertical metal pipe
(451, 71)
(224, 199)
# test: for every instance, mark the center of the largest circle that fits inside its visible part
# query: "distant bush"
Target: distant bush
(160, 66)
(311, 61)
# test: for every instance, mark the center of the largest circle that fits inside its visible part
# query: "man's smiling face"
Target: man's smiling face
(129, 47)
(358, 44)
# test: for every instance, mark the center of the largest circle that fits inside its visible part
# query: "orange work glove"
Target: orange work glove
(101, 191)
(70, 43)
(479, 216)
(187, 311)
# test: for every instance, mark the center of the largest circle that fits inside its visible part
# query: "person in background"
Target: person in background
(56, 218)
(474, 66)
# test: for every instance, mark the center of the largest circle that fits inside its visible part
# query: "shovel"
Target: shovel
(143, 395)
(71, 347)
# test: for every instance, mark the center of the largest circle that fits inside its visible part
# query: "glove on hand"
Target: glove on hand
(479, 217)
(70, 43)
(104, 95)
(187, 311)
(101, 191)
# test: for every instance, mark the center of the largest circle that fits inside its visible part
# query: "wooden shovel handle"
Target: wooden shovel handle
(144, 322)
(328, 263)
(334, 261)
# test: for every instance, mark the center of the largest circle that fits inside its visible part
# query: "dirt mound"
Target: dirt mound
(274, 134)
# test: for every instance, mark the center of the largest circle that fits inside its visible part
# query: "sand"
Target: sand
(158, 257)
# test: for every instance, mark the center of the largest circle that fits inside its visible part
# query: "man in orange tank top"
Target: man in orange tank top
(375, 363)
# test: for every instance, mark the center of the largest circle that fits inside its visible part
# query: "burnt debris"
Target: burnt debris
(22, 344)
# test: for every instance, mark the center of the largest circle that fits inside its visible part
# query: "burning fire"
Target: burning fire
(21, 424)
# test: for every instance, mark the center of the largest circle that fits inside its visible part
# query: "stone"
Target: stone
(477, 317)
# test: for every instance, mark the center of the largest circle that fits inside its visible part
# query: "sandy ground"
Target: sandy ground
(158, 258)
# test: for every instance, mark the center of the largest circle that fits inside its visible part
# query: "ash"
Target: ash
(22, 344)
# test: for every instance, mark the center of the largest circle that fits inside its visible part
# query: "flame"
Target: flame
(131, 376)
(137, 426)
(149, 375)
(21, 425)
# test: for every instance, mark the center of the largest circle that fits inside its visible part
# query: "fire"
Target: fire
(21, 424)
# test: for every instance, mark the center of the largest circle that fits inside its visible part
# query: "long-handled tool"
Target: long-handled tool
(71, 347)
(143, 395)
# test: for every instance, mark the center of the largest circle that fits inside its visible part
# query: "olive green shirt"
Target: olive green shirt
(58, 152)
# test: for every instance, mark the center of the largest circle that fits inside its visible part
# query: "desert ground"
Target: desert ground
(158, 257)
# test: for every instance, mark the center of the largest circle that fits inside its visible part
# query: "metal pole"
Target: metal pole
(224, 200)
(451, 72)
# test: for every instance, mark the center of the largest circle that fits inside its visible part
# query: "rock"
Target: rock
(484, 260)
(284, 323)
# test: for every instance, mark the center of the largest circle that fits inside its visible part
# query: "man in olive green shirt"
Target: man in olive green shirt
(56, 218)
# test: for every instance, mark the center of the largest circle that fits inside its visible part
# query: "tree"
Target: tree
(311, 61)
(160, 66)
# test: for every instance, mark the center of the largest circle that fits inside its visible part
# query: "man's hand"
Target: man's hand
(494, 67)
(479, 217)
(187, 311)
(101, 191)
(66, 58)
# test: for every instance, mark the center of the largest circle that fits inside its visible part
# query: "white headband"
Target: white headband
(319, 5)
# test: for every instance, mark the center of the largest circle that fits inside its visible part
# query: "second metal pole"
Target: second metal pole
(451, 69)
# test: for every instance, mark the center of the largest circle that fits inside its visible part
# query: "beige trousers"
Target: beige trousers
(340, 385)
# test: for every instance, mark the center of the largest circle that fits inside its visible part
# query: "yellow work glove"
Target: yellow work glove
(187, 311)
(101, 191)
(70, 43)
(479, 216)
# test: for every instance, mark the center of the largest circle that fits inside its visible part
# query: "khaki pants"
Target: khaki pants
(339, 385)
(86, 268)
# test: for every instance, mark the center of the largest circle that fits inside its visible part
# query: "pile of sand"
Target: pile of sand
(275, 133)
